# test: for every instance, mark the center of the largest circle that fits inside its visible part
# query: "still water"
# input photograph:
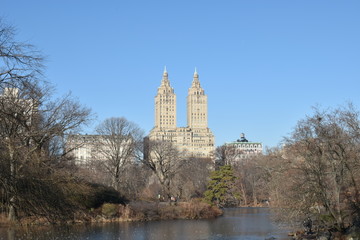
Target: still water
(236, 223)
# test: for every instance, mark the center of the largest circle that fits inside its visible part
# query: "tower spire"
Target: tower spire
(196, 75)
(196, 82)
(165, 79)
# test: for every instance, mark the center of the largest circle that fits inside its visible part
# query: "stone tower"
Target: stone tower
(165, 105)
(197, 116)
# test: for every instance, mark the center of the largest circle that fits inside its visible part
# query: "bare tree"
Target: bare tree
(118, 146)
(134, 180)
(191, 179)
(19, 67)
(252, 180)
(165, 160)
(30, 125)
(227, 155)
(320, 168)
(20, 63)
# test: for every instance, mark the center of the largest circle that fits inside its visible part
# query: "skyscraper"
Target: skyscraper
(165, 105)
(197, 139)
(197, 105)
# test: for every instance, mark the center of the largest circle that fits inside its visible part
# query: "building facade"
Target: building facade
(13, 103)
(245, 149)
(196, 139)
(85, 149)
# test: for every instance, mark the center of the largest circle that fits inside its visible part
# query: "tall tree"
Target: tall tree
(166, 161)
(320, 167)
(31, 124)
(118, 145)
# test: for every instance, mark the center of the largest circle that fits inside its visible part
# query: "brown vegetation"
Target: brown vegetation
(148, 211)
(319, 173)
(314, 175)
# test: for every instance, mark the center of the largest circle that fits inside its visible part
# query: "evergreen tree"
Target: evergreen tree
(221, 188)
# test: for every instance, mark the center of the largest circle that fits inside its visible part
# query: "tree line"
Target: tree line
(315, 174)
(140, 168)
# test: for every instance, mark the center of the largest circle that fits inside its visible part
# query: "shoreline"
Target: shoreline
(131, 212)
(137, 211)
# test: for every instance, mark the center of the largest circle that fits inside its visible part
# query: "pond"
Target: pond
(236, 223)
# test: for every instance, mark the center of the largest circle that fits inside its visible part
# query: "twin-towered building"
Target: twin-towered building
(197, 139)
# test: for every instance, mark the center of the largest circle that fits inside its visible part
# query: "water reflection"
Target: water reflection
(237, 223)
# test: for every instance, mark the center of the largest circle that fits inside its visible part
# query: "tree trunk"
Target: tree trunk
(115, 179)
(243, 190)
(12, 210)
(255, 201)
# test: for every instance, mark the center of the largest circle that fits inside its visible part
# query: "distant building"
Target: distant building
(197, 139)
(83, 148)
(12, 103)
(246, 149)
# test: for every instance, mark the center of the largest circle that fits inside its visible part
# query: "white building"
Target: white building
(12, 103)
(83, 148)
(87, 148)
(246, 149)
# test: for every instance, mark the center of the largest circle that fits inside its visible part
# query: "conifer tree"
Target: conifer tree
(221, 188)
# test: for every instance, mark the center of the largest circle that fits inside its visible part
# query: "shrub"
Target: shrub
(109, 210)
(197, 209)
(87, 195)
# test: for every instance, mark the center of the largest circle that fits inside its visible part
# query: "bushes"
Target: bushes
(87, 195)
(196, 209)
(110, 210)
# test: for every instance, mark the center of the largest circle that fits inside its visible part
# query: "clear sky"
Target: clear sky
(262, 63)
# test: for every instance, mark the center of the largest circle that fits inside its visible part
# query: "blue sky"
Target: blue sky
(262, 63)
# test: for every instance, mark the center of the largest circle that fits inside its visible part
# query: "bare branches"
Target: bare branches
(227, 155)
(165, 160)
(20, 63)
(31, 125)
(323, 174)
(118, 145)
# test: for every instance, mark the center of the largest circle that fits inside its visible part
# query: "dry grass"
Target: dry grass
(144, 211)
(4, 221)
(135, 211)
